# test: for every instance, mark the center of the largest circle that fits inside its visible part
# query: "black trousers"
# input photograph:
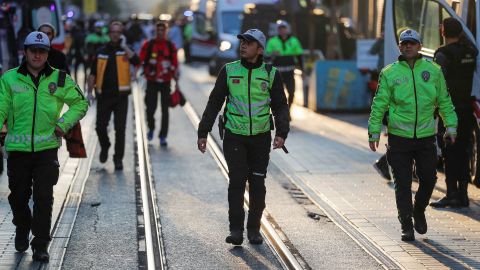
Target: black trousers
(289, 81)
(401, 154)
(118, 105)
(247, 159)
(40, 171)
(151, 102)
(456, 156)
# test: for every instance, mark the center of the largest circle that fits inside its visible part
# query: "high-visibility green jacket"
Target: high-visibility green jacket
(411, 97)
(248, 103)
(33, 110)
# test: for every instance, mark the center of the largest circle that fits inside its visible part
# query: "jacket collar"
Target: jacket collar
(402, 59)
(47, 70)
(249, 65)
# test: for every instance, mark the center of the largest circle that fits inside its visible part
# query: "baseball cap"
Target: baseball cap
(254, 35)
(410, 35)
(37, 40)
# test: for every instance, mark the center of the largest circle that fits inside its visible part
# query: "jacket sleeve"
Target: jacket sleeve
(215, 102)
(5, 100)
(380, 105)
(279, 107)
(445, 106)
(77, 105)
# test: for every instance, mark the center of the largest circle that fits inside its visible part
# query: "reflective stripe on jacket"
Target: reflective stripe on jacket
(123, 71)
(33, 112)
(411, 97)
(248, 106)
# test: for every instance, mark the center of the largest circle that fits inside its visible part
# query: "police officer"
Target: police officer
(31, 100)
(457, 59)
(110, 74)
(286, 52)
(411, 89)
(251, 88)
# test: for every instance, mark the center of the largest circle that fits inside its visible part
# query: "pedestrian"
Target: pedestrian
(175, 34)
(160, 65)
(110, 75)
(77, 50)
(251, 89)
(94, 41)
(287, 53)
(411, 89)
(56, 58)
(32, 97)
(458, 61)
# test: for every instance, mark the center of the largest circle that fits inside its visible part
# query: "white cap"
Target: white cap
(410, 35)
(254, 35)
(37, 40)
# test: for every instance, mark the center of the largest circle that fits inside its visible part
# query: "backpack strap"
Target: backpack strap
(149, 52)
(62, 75)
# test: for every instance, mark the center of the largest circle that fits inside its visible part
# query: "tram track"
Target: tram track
(151, 247)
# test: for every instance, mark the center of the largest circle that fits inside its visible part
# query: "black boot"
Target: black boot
(21, 240)
(447, 201)
(40, 254)
(254, 237)
(420, 223)
(235, 237)
(462, 196)
(381, 165)
(407, 228)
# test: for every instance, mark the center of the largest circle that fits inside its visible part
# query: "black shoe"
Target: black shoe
(420, 222)
(254, 237)
(235, 238)
(103, 154)
(21, 241)
(408, 235)
(118, 166)
(381, 166)
(445, 202)
(40, 254)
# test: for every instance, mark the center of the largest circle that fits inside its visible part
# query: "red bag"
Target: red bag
(177, 98)
(75, 145)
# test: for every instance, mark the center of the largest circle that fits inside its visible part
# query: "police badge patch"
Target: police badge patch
(52, 87)
(426, 76)
(264, 86)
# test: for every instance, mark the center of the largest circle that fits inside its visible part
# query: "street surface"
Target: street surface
(325, 196)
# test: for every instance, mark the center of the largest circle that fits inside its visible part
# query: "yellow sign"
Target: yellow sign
(89, 6)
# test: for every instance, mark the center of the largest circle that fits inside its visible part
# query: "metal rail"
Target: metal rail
(153, 235)
(289, 259)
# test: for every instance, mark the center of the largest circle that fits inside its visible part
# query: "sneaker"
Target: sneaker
(235, 238)
(254, 237)
(21, 240)
(150, 135)
(40, 254)
(381, 165)
(163, 141)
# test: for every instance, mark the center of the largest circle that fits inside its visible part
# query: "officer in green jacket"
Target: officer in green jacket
(251, 89)
(411, 89)
(31, 100)
(286, 53)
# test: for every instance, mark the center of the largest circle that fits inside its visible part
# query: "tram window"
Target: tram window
(423, 16)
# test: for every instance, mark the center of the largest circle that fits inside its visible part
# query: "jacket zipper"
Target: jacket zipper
(416, 105)
(249, 101)
(34, 116)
